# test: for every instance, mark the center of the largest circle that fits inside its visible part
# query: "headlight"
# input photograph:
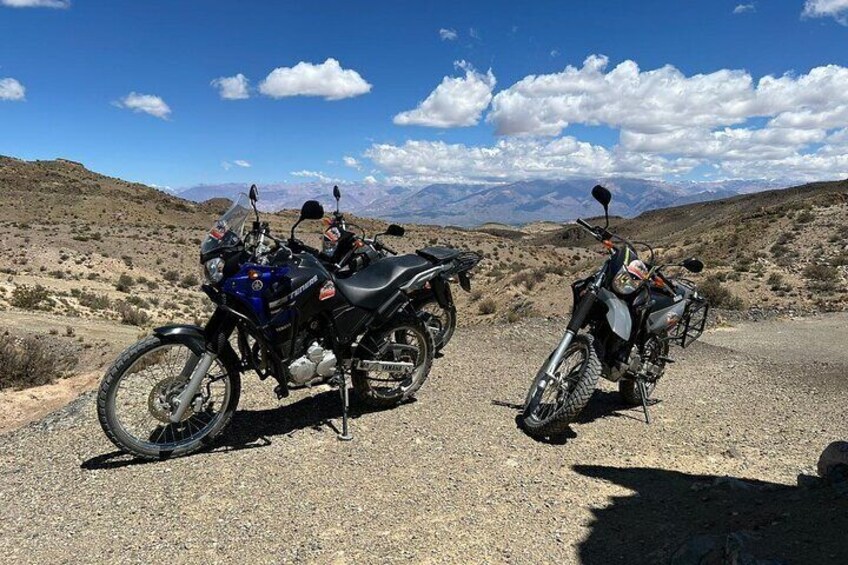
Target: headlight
(213, 270)
(623, 282)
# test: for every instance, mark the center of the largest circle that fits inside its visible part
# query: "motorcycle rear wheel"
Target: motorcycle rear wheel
(439, 320)
(405, 339)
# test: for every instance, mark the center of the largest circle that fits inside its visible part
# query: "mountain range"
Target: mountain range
(469, 205)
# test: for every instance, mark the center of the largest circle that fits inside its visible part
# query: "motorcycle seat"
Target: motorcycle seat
(371, 287)
(438, 254)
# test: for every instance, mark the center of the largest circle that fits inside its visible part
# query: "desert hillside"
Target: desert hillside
(82, 252)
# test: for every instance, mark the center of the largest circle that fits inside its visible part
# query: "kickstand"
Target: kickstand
(643, 394)
(341, 381)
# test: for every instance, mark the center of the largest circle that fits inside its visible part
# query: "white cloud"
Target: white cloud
(227, 165)
(36, 3)
(232, 88)
(328, 80)
(473, 33)
(11, 89)
(317, 175)
(456, 102)
(512, 159)
(147, 103)
(370, 179)
(447, 34)
(837, 9)
(743, 8)
(664, 99)
(352, 162)
(668, 123)
(554, 53)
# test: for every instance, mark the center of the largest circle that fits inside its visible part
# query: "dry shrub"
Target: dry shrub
(29, 297)
(718, 296)
(31, 361)
(132, 316)
(487, 306)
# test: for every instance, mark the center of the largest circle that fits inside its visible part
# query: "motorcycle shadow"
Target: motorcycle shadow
(603, 404)
(252, 429)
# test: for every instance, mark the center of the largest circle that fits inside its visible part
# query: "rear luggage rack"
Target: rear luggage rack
(692, 323)
(466, 261)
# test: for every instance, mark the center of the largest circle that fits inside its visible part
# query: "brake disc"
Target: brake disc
(161, 396)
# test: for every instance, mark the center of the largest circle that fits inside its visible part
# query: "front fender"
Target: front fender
(188, 335)
(194, 338)
(618, 315)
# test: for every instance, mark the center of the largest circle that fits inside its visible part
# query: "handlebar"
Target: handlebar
(383, 247)
(597, 232)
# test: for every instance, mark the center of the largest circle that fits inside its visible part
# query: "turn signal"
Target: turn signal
(253, 275)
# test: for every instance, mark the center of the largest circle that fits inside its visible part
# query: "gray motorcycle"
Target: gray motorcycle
(625, 317)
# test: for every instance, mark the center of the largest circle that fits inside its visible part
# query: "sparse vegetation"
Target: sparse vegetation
(29, 297)
(30, 361)
(190, 280)
(125, 283)
(487, 306)
(132, 316)
(719, 296)
(822, 277)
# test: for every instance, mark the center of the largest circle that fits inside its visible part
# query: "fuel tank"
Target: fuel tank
(665, 313)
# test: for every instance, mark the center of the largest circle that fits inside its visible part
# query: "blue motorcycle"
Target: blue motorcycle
(281, 314)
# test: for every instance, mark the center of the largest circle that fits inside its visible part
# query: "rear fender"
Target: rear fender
(441, 290)
(618, 315)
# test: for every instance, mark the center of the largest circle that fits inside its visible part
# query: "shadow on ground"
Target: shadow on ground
(251, 429)
(603, 404)
(677, 518)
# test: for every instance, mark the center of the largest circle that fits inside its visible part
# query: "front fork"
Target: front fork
(574, 325)
(202, 365)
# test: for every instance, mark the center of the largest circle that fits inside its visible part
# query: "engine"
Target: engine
(621, 368)
(316, 365)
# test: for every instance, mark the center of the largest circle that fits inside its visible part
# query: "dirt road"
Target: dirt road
(449, 477)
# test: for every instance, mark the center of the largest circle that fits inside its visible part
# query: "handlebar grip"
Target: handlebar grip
(585, 224)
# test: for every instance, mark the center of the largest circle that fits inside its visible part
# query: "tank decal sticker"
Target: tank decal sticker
(293, 294)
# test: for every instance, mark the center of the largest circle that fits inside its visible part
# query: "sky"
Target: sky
(175, 93)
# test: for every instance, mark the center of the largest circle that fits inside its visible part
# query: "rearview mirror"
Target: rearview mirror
(254, 193)
(693, 265)
(395, 230)
(602, 195)
(336, 192)
(311, 210)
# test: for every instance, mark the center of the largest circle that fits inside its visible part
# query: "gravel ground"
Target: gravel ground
(450, 478)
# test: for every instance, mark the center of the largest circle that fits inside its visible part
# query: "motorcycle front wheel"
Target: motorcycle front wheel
(553, 402)
(134, 402)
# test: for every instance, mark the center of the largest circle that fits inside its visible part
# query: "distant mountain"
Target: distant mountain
(475, 204)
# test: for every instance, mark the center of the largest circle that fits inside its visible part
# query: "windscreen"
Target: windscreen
(229, 228)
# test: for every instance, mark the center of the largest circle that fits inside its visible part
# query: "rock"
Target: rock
(833, 456)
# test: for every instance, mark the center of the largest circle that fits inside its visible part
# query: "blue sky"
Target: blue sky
(78, 63)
